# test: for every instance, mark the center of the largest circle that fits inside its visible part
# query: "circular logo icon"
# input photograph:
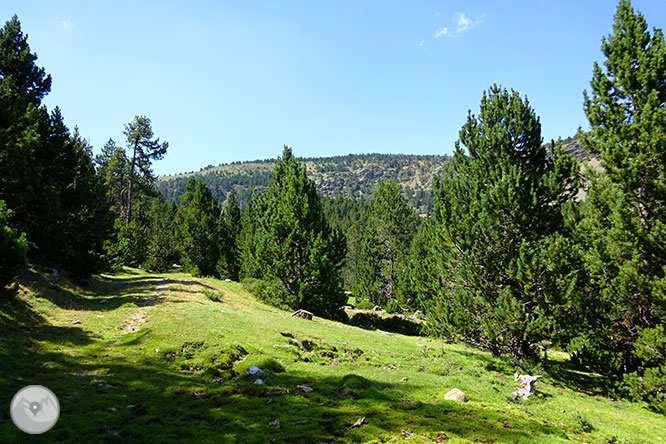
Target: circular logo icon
(35, 409)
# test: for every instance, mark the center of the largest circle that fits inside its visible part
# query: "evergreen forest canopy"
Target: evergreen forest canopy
(508, 259)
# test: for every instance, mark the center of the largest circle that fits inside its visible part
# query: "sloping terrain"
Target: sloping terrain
(139, 357)
(355, 175)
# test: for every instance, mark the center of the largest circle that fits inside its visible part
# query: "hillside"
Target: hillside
(139, 357)
(353, 175)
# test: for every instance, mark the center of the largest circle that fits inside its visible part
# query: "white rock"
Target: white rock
(525, 385)
(456, 395)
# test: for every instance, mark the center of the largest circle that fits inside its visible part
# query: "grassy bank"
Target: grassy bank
(139, 357)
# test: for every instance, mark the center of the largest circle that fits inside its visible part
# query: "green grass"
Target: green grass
(161, 361)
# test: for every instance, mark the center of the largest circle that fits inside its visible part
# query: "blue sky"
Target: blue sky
(228, 81)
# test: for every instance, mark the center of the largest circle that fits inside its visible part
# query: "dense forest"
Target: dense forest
(506, 255)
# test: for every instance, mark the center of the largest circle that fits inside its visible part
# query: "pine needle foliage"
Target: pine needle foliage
(501, 279)
(286, 241)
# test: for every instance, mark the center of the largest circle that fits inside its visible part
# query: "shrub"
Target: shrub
(213, 295)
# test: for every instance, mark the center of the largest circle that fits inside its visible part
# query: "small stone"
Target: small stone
(305, 388)
(227, 280)
(275, 424)
(259, 381)
(104, 301)
(76, 322)
(456, 395)
(100, 316)
(255, 373)
(113, 409)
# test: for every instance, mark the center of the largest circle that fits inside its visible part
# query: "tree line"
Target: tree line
(510, 260)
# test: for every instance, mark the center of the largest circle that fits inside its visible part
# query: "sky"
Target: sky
(233, 81)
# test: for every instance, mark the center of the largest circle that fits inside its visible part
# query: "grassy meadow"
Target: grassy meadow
(136, 357)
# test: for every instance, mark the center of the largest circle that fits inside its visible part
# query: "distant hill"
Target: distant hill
(354, 175)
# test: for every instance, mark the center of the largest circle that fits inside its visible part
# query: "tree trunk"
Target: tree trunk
(129, 190)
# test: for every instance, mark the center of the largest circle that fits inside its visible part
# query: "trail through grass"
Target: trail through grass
(140, 357)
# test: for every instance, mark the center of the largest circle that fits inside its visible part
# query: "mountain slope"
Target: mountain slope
(354, 175)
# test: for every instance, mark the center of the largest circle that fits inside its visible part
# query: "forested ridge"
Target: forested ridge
(510, 244)
(355, 176)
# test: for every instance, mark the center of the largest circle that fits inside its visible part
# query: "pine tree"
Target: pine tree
(623, 232)
(13, 247)
(113, 167)
(22, 86)
(229, 264)
(199, 229)
(498, 213)
(144, 150)
(252, 238)
(287, 242)
(388, 234)
(47, 176)
(161, 248)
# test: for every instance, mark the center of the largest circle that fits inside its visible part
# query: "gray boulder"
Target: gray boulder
(255, 373)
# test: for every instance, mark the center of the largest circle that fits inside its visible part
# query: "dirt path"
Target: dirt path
(136, 320)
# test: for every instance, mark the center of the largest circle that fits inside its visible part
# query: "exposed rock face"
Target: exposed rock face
(456, 395)
(302, 314)
(525, 385)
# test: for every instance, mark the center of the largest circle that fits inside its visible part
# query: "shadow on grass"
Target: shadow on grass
(123, 396)
(102, 292)
(568, 374)
(129, 393)
(394, 324)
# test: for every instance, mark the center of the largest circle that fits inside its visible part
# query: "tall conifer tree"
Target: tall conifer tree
(498, 210)
(623, 231)
(289, 244)
(387, 236)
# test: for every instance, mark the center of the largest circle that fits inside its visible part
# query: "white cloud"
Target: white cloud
(422, 42)
(441, 32)
(465, 23)
(67, 24)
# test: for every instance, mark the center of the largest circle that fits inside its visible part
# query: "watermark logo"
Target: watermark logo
(35, 409)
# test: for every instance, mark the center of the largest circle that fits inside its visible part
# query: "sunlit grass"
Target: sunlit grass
(141, 357)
